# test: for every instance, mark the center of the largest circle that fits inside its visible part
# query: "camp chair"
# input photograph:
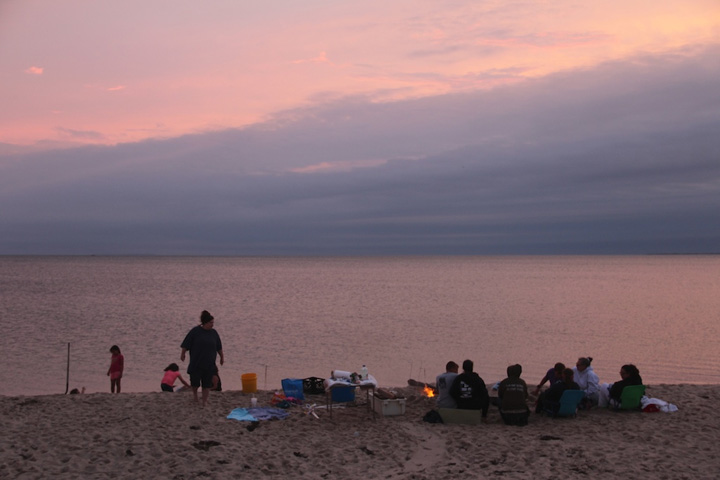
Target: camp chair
(457, 415)
(630, 398)
(568, 405)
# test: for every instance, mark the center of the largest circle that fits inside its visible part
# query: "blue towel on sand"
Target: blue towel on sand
(258, 413)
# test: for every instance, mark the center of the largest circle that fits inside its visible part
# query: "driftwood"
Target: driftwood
(415, 383)
(383, 394)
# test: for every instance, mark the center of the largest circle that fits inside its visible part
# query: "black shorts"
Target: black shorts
(202, 377)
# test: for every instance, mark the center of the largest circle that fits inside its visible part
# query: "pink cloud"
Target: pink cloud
(35, 70)
(321, 58)
(341, 166)
(115, 88)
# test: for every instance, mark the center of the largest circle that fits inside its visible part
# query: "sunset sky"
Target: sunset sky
(339, 127)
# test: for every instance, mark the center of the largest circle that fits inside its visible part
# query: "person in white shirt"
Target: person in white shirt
(587, 379)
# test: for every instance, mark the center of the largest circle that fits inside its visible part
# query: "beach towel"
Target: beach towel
(258, 413)
(659, 405)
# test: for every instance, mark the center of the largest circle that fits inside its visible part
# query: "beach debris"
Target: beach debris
(205, 444)
(300, 454)
(253, 426)
(367, 450)
(549, 437)
(129, 453)
(310, 410)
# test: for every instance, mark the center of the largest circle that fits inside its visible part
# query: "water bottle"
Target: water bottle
(363, 373)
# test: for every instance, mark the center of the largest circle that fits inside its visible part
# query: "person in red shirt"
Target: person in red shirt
(117, 364)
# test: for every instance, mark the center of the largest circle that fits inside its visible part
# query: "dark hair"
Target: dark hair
(74, 391)
(173, 366)
(205, 317)
(559, 367)
(114, 347)
(631, 370)
(468, 366)
(514, 370)
(585, 361)
(450, 366)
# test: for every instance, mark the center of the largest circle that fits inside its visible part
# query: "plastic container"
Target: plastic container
(249, 382)
(343, 394)
(363, 373)
(293, 387)
(388, 407)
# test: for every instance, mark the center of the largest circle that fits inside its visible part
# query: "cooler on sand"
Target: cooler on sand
(388, 407)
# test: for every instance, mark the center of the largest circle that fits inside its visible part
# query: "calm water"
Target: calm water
(402, 316)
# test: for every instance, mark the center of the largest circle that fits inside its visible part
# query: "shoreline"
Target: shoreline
(165, 435)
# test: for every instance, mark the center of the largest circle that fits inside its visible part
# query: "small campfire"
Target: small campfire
(429, 392)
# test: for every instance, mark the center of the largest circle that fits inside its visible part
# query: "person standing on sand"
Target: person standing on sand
(203, 343)
(443, 382)
(117, 365)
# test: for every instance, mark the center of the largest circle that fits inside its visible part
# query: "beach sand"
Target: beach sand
(166, 435)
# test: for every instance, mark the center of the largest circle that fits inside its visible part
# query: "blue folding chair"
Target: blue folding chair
(568, 405)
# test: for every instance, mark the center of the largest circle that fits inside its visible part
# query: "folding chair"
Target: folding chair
(568, 405)
(630, 397)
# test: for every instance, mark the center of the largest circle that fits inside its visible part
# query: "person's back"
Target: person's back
(443, 383)
(512, 397)
(513, 391)
(469, 390)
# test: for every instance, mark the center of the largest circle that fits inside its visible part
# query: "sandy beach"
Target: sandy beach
(166, 435)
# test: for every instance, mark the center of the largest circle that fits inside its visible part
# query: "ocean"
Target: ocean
(404, 317)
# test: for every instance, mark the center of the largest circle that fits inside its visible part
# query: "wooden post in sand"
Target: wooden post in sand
(67, 376)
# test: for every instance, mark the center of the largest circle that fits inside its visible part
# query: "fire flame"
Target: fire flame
(428, 391)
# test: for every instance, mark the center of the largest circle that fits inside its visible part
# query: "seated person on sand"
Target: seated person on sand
(172, 373)
(550, 398)
(512, 397)
(609, 393)
(443, 383)
(588, 381)
(216, 382)
(469, 391)
(553, 376)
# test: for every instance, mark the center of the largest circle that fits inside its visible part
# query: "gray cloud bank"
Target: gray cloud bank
(623, 158)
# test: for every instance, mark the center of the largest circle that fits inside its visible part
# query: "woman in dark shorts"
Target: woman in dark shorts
(203, 343)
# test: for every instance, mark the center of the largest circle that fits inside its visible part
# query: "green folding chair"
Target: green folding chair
(630, 397)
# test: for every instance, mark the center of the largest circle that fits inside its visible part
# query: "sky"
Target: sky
(231, 127)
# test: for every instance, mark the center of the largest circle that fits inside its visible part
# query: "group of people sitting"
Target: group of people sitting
(467, 390)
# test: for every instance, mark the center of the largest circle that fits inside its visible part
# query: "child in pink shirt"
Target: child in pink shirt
(117, 364)
(172, 373)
